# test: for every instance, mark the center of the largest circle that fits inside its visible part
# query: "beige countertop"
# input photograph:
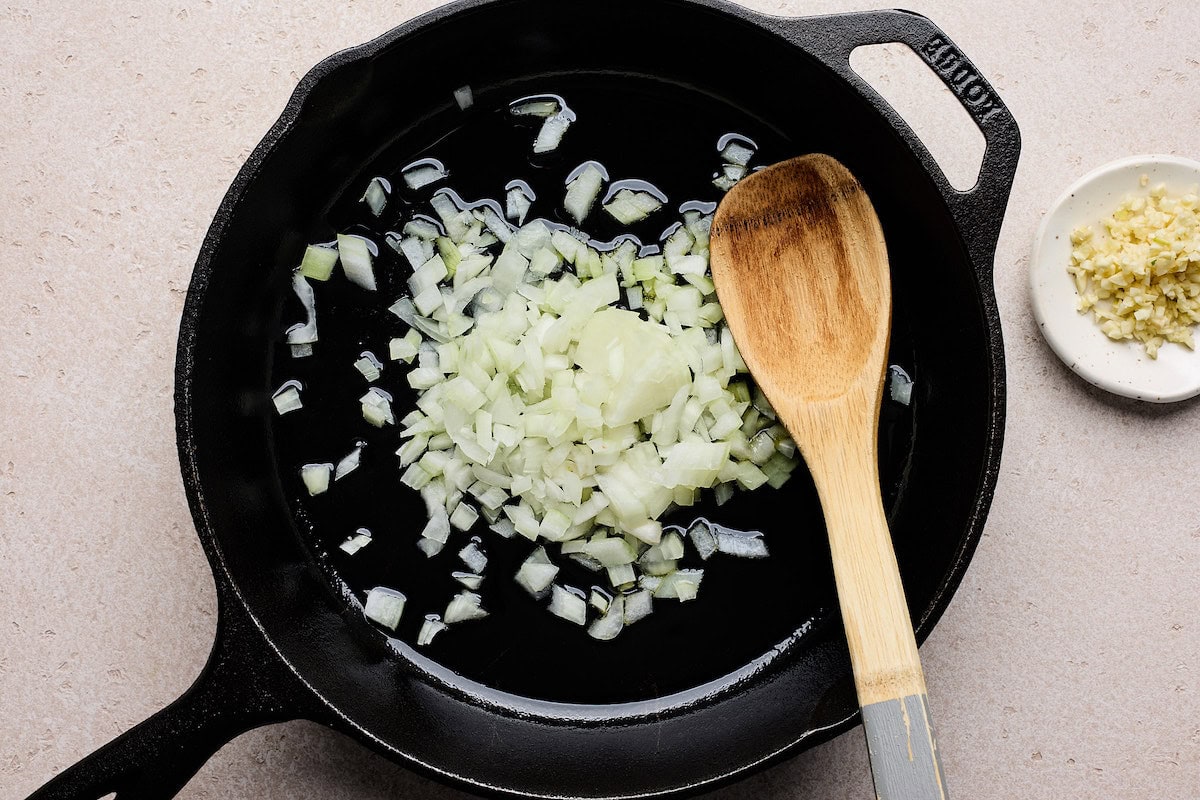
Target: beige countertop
(1068, 664)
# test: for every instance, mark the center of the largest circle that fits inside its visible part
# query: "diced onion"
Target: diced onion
(517, 203)
(465, 606)
(360, 539)
(305, 332)
(568, 605)
(638, 606)
(551, 134)
(900, 385)
(468, 579)
(369, 366)
(348, 464)
(535, 107)
(473, 557)
(287, 398)
(318, 262)
(376, 195)
(741, 545)
(682, 585)
(464, 517)
(430, 628)
(316, 477)
(424, 172)
(545, 407)
(736, 152)
(703, 538)
(582, 191)
(609, 625)
(356, 261)
(537, 572)
(384, 606)
(628, 206)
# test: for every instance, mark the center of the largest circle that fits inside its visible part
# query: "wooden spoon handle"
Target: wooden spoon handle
(883, 649)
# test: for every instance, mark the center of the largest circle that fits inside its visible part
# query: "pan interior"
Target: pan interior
(638, 127)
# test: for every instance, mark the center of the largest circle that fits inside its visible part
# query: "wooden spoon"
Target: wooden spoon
(801, 271)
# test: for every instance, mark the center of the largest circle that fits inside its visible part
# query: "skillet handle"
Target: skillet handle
(243, 685)
(978, 211)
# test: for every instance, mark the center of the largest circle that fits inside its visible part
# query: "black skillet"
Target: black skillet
(688, 705)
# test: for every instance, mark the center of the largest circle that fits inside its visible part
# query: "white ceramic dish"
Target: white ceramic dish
(1119, 367)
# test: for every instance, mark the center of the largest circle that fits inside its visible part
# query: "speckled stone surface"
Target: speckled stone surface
(1068, 664)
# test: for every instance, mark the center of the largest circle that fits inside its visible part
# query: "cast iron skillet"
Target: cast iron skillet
(289, 643)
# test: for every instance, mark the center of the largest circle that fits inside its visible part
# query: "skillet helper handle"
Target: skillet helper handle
(888, 678)
(241, 687)
(978, 211)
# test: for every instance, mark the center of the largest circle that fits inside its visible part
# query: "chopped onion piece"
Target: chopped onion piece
(504, 528)
(629, 206)
(305, 332)
(611, 552)
(318, 262)
(638, 606)
(517, 203)
(421, 229)
(599, 600)
(472, 556)
(900, 385)
(376, 195)
(551, 134)
(384, 606)
(465, 606)
(622, 576)
(356, 261)
(682, 585)
(671, 547)
(741, 545)
(405, 349)
(424, 172)
(468, 579)
(723, 182)
(430, 547)
(360, 539)
(568, 605)
(609, 625)
(348, 464)
(316, 477)
(535, 107)
(464, 97)
(587, 562)
(496, 224)
(537, 572)
(703, 538)
(736, 152)
(464, 517)
(582, 192)
(430, 628)
(369, 366)
(287, 398)
(734, 172)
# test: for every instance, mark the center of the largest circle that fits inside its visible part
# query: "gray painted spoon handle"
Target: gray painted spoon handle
(904, 755)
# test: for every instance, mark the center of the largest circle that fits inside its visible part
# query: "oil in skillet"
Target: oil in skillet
(745, 607)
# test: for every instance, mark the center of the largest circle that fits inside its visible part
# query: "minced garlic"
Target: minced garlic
(1143, 281)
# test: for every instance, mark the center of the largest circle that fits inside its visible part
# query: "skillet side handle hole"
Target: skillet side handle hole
(930, 109)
